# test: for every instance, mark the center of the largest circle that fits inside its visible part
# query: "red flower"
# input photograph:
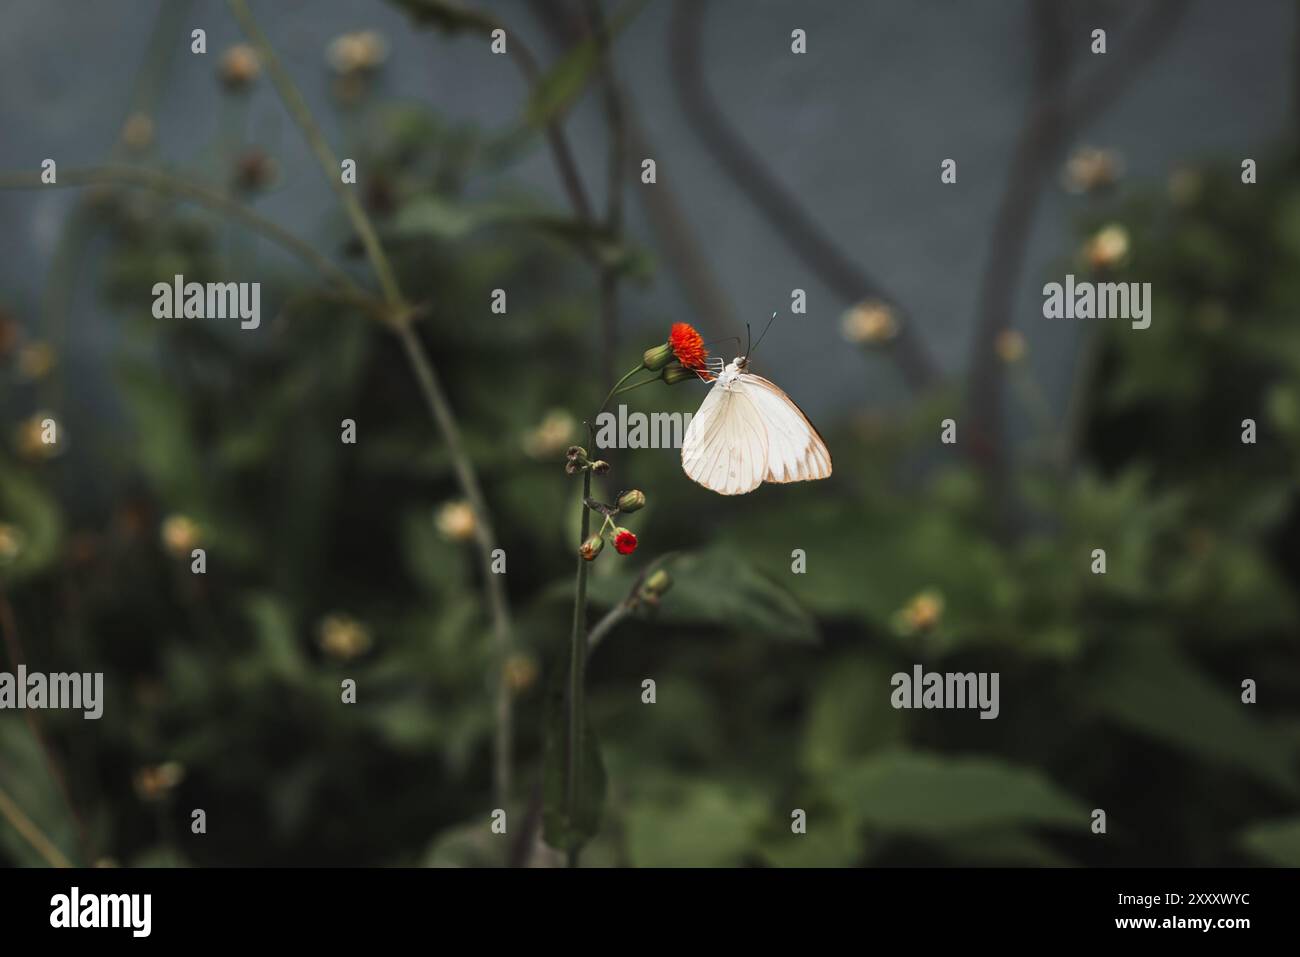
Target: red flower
(624, 541)
(687, 345)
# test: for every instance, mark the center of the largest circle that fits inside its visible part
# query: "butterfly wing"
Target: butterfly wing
(725, 447)
(796, 451)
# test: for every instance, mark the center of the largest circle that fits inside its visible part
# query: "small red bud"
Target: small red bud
(624, 541)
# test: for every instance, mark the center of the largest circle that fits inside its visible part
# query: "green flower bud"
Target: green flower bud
(658, 357)
(675, 373)
(631, 500)
(591, 547)
(600, 466)
(657, 583)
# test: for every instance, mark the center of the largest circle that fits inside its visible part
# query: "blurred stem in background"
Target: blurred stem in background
(218, 202)
(608, 324)
(680, 248)
(69, 253)
(399, 318)
(806, 239)
(53, 765)
(32, 834)
(614, 203)
(1054, 117)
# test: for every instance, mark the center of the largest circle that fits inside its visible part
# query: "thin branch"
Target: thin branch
(1030, 166)
(212, 199)
(14, 649)
(555, 137)
(30, 832)
(430, 387)
(577, 674)
(485, 24)
(669, 222)
(783, 211)
(440, 409)
(611, 620)
(616, 615)
(614, 204)
(1052, 119)
(329, 162)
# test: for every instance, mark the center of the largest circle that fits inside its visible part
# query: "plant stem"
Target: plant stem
(30, 832)
(782, 208)
(637, 385)
(577, 673)
(165, 183)
(430, 387)
(607, 624)
(614, 391)
(302, 115)
(14, 650)
(485, 538)
(614, 202)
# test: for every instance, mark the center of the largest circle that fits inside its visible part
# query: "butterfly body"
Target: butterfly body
(748, 432)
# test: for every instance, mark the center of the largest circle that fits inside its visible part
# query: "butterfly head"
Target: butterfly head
(732, 371)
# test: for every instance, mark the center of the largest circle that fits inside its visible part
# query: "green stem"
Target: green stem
(30, 832)
(577, 674)
(614, 391)
(218, 202)
(485, 538)
(637, 385)
(302, 115)
(430, 386)
(607, 624)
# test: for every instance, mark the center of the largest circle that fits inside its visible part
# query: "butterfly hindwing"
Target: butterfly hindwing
(796, 451)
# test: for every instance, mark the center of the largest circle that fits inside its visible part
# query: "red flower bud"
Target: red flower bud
(624, 541)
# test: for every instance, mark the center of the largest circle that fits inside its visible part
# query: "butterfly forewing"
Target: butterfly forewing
(725, 447)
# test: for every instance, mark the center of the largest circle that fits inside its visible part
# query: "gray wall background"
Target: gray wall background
(856, 128)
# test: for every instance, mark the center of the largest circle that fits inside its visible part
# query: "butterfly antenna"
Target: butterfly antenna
(747, 338)
(750, 351)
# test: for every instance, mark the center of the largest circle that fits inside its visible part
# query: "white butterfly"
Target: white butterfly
(748, 432)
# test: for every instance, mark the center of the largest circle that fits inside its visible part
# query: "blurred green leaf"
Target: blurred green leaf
(846, 721)
(1277, 842)
(1149, 685)
(467, 845)
(565, 81)
(35, 513)
(937, 796)
(25, 776)
(164, 434)
(450, 16)
(273, 626)
(697, 825)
